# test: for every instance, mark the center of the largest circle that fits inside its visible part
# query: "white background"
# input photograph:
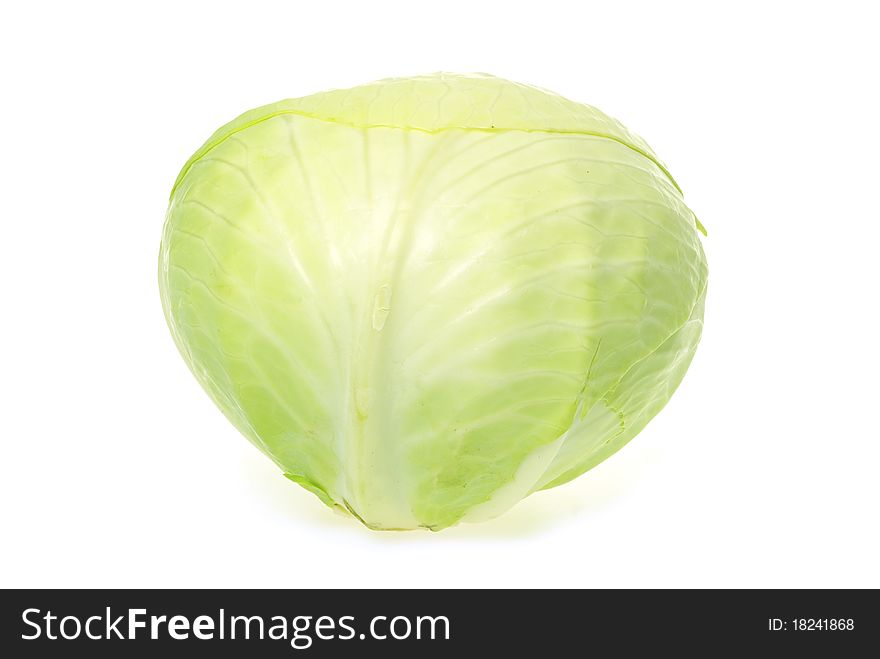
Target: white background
(117, 470)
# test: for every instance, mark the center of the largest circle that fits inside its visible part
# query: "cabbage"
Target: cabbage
(426, 298)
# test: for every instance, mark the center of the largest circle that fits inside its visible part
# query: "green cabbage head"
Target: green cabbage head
(426, 298)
